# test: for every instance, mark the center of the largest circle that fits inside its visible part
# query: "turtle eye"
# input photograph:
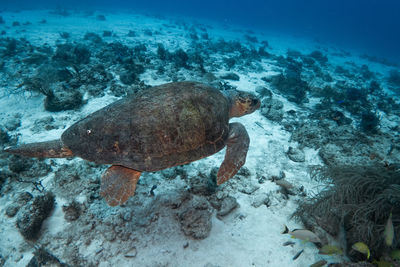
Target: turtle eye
(254, 102)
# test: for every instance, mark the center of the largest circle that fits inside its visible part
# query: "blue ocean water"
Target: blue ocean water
(370, 26)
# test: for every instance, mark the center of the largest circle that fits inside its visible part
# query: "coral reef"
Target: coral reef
(361, 198)
(41, 257)
(31, 216)
(394, 78)
(369, 122)
(272, 109)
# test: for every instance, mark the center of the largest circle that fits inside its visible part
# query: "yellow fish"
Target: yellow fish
(330, 250)
(389, 231)
(362, 248)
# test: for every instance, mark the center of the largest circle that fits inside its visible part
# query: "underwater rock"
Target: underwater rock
(318, 56)
(118, 90)
(287, 188)
(162, 52)
(24, 198)
(11, 125)
(251, 39)
(101, 17)
(131, 73)
(148, 32)
(72, 211)
(114, 53)
(264, 92)
(19, 164)
(131, 34)
(62, 99)
(369, 122)
(195, 218)
(71, 180)
(46, 123)
(244, 171)
(41, 257)
(261, 199)
(3, 177)
(202, 184)
(4, 137)
(248, 188)
(228, 204)
(36, 59)
(50, 73)
(68, 54)
(310, 134)
(93, 90)
(107, 33)
(293, 87)
(93, 37)
(12, 210)
(230, 62)
(31, 216)
(230, 76)
(180, 58)
(329, 153)
(11, 46)
(296, 154)
(65, 35)
(128, 77)
(339, 117)
(169, 173)
(394, 77)
(366, 73)
(272, 109)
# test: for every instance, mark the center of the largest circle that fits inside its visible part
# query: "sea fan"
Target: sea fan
(361, 196)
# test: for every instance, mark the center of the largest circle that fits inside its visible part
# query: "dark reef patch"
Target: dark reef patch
(359, 197)
(31, 217)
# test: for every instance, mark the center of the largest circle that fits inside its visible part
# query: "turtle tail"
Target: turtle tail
(48, 149)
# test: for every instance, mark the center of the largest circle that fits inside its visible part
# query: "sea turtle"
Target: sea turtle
(158, 128)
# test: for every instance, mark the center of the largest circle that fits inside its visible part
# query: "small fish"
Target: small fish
(330, 250)
(152, 190)
(319, 263)
(302, 234)
(288, 243)
(362, 248)
(389, 232)
(285, 184)
(395, 255)
(298, 254)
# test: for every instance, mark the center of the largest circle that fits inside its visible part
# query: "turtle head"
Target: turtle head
(241, 103)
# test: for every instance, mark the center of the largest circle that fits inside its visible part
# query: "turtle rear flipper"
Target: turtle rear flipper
(47, 149)
(118, 184)
(237, 146)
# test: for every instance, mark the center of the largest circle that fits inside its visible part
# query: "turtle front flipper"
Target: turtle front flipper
(237, 146)
(118, 184)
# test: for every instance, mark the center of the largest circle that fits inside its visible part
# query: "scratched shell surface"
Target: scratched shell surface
(157, 128)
